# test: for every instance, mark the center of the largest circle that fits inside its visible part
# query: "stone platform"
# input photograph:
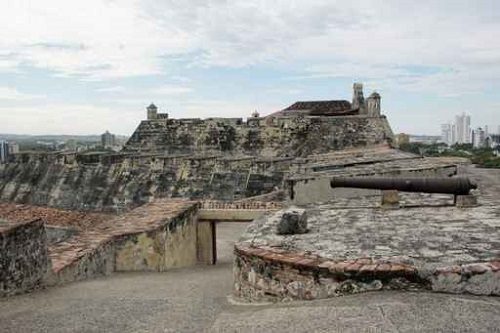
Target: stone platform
(348, 250)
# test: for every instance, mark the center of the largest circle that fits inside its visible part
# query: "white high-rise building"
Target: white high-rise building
(447, 134)
(453, 134)
(479, 138)
(13, 148)
(4, 151)
(463, 130)
(108, 140)
(457, 132)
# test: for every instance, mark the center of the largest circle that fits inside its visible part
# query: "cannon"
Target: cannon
(456, 185)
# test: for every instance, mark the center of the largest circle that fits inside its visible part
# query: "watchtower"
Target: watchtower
(373, 104)
(152, 112)
(358, 101)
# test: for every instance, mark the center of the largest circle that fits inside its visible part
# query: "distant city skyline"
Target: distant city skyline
(85, 67)
(463, 131)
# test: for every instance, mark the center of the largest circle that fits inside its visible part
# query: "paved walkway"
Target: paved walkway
(195, 300)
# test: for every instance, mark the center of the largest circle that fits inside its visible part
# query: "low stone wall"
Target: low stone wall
(161, 235)
(265, 273)
(24, 259)
(97, 262)
(172, 245)
(155, 237)
(242, 205)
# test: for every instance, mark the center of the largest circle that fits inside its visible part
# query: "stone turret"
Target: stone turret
(152, 112)
(373, 104)
(358, 101)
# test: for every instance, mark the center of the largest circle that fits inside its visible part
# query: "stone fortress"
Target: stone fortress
(154, 206)
(218, 158)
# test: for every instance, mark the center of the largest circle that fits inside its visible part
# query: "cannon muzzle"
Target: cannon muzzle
(455, 185)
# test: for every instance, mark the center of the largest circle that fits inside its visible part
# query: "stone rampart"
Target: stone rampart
(24, 259)
(291, 136)
(156, 237)
(190, 158)
(118, 187)
(265, 273)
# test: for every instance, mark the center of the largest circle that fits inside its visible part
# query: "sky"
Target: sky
(83, 67)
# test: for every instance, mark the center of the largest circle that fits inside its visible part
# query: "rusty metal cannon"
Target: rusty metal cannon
(456, 185)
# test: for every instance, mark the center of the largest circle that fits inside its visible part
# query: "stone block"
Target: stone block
(390, 199)
(464, 201)
(293, 221)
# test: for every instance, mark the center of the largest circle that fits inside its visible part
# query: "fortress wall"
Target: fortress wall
(183, 158)
(24, 260)
(116, 187)
(295, 136)
(174, 245)
(98, 261)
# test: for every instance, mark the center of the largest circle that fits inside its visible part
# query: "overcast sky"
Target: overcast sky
(82, 67)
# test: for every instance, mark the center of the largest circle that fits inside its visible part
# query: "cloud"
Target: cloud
(11, 94)
(57, 118)
(170, 90)
(94, 38)
(445, 48)
(112, 89)
(83, 119)
(103, 39)
(220, 108)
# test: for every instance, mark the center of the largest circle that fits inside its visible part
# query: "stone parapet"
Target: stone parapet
(242, 205)
(24, 261)
(266, 273)
(155, 237)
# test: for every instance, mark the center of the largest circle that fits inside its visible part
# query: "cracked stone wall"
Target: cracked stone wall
(24, 260)
(119, 186)
(221, 159)
(290, 136)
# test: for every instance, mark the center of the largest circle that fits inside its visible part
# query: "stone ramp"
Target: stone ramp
(94, 251)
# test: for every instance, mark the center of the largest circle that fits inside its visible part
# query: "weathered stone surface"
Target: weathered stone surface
(390, 199)
(218, 158)
(465, 201)
(24, 260)
(52, 217)
(57, 234)
(439, 248)
(309, 181)
(155, 237)
(293, 221)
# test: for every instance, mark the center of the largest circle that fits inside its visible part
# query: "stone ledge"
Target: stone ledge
(268, 273)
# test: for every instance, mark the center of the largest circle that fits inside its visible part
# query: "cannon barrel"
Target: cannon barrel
(456, 185)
